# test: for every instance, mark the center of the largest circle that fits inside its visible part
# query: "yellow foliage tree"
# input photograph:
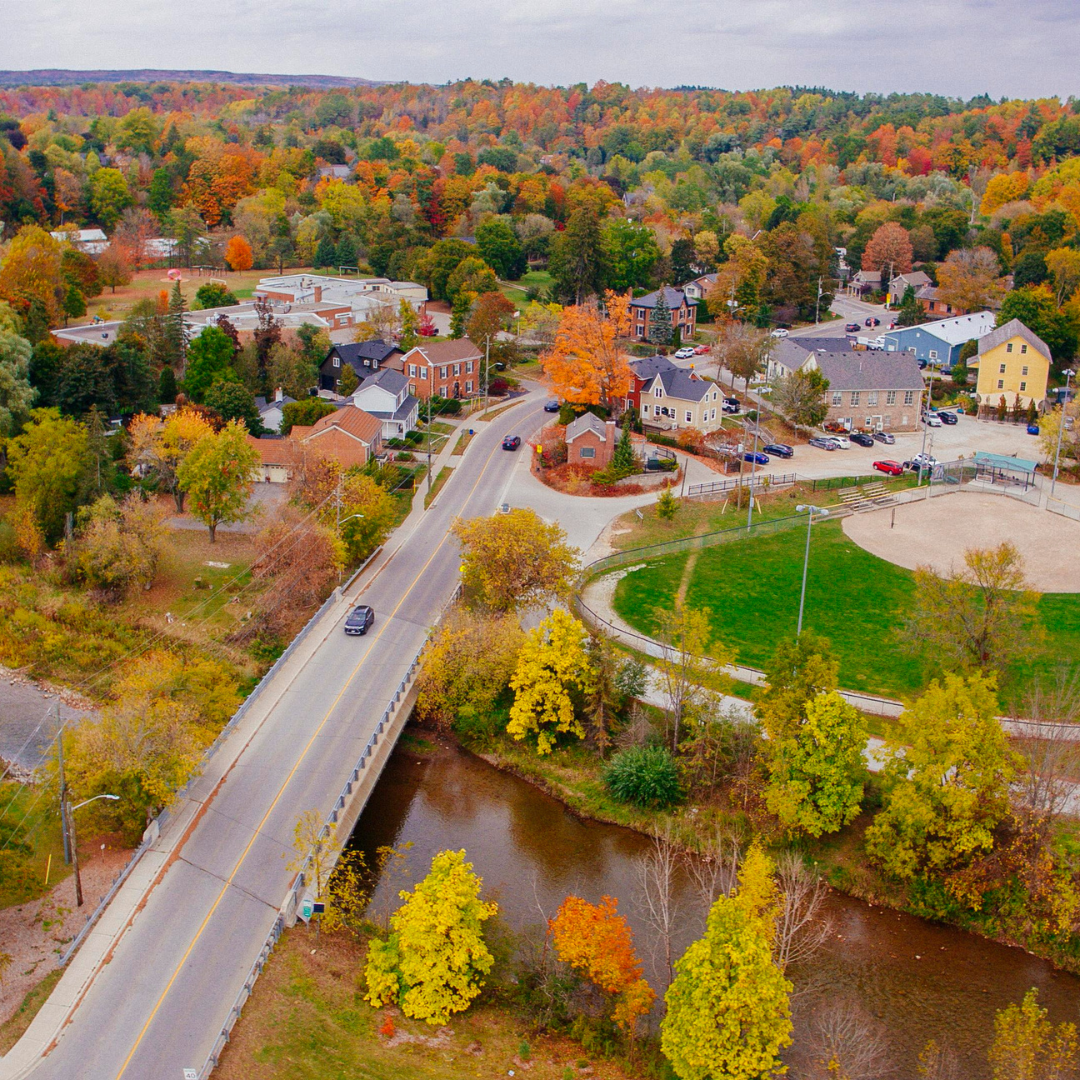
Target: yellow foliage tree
(30, 273)
(159, 447)
(514, 561)
(553, 660)
(1004, 188)
(238, 253)
(435, 960)
(586, 363)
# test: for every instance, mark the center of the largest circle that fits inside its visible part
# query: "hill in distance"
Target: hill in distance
(64, 77)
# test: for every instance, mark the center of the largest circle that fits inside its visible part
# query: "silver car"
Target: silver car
(884, 437)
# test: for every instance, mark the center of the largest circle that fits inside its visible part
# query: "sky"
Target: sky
(1006, 48)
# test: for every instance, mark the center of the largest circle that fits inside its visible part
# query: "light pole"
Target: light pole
(811, 512)
(74, 843)
(1069, 373)
(753, 466)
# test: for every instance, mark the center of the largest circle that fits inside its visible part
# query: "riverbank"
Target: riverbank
(573, 775)
(306, 1020)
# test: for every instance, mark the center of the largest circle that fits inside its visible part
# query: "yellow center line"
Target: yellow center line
(292, 772)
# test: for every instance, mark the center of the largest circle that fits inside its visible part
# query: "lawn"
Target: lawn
(750, 587)
(534, 279)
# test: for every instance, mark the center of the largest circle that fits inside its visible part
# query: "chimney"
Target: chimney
(609, 429)
(279, 394)
(318, 294)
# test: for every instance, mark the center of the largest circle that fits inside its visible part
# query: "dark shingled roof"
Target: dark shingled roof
(680, 384)
(354, 353)
(648, 366)
(1013, 328)
(674, 298)
(870, 371)
(390, 380)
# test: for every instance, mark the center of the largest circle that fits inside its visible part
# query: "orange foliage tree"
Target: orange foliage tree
(595, 940)
(889, 251)
(238, 253)
(586, 363)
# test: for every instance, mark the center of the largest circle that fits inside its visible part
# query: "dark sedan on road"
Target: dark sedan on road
(359, 620)
(884, 437)
(551, 406)
(780, 450)
(872, 321)
(852, 328)
(893, 468)
(511, 442)
(824, 443)
(860, 438)
(947, 418)
(756, 459)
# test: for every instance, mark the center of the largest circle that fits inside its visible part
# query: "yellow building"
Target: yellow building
(1012, 361)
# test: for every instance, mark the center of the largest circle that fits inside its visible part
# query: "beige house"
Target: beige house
(674, 398)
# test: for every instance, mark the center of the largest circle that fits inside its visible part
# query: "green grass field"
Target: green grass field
(750, 587)
(534, 279)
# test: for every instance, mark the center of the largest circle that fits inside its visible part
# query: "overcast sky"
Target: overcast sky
(1014, 48)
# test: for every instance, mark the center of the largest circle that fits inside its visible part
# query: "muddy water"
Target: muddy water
(921, 980)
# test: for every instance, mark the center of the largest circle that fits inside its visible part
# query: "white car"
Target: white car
(842, 441)
(932, 420)
(684, 354)
(780, 332)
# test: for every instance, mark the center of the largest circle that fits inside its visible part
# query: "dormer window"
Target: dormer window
(657, 391)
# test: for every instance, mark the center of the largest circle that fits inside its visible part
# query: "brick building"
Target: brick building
(683, 313)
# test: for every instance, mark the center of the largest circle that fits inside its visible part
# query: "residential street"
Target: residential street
(157, 1006)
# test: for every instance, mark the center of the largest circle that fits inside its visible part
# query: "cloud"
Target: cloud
(953, 47)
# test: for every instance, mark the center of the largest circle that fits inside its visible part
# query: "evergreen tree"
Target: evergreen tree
(175, 344)
(324, 253)
(345, 253)
(660, 332)
(74, 304)
(577, 262)
(459, 314)
(623, 458)
(160, 196)
(682, 260)
(167, 386)
(1032, 412)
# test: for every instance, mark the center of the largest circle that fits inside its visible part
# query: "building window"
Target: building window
(890, 397)
(1023, 370)
(1001, 369)
(854, 397)
(337, 362)
(871, 397)
(442, 391)
(444, 372)
(837, 399)
(412, 388)
(457, 370)
(468, 387)
(933, 354)
(657, 391)
(468, 368)
(587, 451)
(412, 371)
(1023, 348)
(909, 397)
(689, 417)
(1001, 384)
(713, 416)
(423, 373)
(1023, 387)
(1008, 348)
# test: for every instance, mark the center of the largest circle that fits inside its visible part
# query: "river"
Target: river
(921, 980)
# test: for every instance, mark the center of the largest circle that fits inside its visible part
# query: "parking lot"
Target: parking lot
(945, 443)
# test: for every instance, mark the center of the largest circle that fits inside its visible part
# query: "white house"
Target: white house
(385, 395)
(270, 411)
(88, 241)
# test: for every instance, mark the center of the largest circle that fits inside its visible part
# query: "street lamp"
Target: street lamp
(1069, 373)
(74, 844)
(811, 512)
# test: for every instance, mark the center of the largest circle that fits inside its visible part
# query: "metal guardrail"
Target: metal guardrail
(153, 830)
(292, 896)
(759, 483)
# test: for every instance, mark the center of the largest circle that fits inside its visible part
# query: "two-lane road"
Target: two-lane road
(158, 1005)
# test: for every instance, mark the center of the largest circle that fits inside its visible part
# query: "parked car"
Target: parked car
(884, 437)
(842, 442)
(511, 442)
(893, 468)
(872, 321)
(756, 459)
(947, 418)
(824, 442)
(780, 450)
(924, 461)
(359, 620)
(779, 332)
(684, 354)
(731, 405)
(852, 328)
(860, 438)
(701, 350)
(932, 420)
(551, 406)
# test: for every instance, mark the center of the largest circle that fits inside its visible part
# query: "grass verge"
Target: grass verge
(436, 487)
(307, 1020)
(11, 1031)
(463, 441)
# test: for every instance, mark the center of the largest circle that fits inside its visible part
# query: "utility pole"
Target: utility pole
(429, 439)
(1069, 373)
(337, 502)
(753, 466)
(487, 368)
(63, 790)
(817, 305)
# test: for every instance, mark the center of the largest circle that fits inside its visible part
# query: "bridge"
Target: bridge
(150, 991)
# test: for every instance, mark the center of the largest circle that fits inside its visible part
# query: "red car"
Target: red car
(893, 468)
(701, 350)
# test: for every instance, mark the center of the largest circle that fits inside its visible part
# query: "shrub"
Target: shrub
(414, 437)
(445, 406)
(644, 775)
(499, 388)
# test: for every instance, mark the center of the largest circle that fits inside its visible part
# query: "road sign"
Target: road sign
(306, 908)
(191, 1074)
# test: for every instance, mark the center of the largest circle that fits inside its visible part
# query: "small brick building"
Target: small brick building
(591, 441)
